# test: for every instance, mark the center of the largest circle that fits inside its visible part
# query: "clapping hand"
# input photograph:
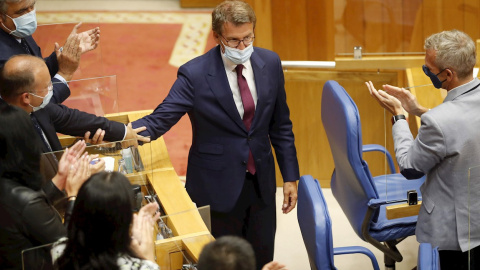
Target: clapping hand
(142, 231)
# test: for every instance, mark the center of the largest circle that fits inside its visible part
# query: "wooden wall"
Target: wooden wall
(320, 29)
(400, 26)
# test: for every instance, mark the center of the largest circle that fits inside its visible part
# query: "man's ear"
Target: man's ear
(450, 74)
(2, 17)
(24, 99)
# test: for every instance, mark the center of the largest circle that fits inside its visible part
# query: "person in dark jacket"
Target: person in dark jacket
(28, 218)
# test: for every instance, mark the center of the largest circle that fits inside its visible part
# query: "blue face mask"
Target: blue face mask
(25, 25)
(433, 77)
(238, 56)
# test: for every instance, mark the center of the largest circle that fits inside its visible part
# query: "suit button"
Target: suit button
(244, 162)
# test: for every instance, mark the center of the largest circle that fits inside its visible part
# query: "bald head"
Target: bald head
(18, 75)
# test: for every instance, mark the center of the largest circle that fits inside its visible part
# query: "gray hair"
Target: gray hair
(455, 50)
(236, 12)
(4, 6)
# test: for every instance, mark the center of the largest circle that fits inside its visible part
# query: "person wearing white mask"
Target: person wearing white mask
(18, 22)
(235, 97)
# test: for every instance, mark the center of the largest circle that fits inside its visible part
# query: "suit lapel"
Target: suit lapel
(217, 79)
(261, 83)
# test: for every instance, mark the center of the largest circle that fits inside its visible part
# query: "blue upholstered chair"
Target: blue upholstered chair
(316, 227)
(428, 258)
(363, 198)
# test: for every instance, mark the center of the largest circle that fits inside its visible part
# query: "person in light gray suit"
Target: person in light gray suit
(447, 145)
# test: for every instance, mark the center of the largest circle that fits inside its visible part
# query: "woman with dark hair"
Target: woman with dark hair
(99, 231)
(27, 217)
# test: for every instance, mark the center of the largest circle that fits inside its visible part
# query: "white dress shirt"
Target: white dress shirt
(232, 80)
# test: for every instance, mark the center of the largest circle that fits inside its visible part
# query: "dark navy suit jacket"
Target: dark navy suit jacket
(59, 118)
(9, 47)
(220, 144)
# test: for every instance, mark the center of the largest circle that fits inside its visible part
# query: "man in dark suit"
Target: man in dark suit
(25, 82)
(18, 23)
(235, 98)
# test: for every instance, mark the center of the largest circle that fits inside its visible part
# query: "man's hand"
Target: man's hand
(97, 137)
(132, 136)
(142, 231)
(89, 39)
(408, 100)
(389, 102)
(69, 57)
(289, 196)
(274, 266)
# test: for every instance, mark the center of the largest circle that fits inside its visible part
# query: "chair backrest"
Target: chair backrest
(315, 224)
(352, 184)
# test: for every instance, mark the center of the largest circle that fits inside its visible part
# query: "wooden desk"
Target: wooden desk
(190, 232)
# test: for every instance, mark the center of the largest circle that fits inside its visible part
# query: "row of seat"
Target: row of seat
(357, 192)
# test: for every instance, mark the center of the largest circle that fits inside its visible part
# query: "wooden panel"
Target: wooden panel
(354, 25)
(456, 16)
(320, 30)
(304, 92)
(471, 8)
(263, 29)
(380, 62)
(402, 210)
(290, 29)
(374, 23)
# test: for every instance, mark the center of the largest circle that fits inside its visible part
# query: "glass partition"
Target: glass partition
(395, 28)
(97, 95)
(473, 226)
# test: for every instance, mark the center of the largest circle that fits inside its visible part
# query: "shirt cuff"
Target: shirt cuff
(60, 78)
(125, 134)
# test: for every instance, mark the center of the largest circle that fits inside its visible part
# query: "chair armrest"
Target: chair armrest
(357, 249)
(380, 148)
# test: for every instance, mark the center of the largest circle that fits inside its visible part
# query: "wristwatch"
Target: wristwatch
(395, 118)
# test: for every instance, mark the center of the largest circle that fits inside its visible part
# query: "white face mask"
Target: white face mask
(46, 100)
(25, 25)
(238, 56)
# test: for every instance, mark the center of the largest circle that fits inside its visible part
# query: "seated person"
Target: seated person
(26, 84)
(27, 217)
(99, 232)
(231, 253)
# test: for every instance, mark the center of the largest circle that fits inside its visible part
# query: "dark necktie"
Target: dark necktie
(40, 132)
(248, 110)
(25, 46)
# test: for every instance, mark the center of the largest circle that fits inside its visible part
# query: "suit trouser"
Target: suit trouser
(458, 260)
(252, 219)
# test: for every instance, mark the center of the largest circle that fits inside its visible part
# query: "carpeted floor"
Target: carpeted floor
(143, 50)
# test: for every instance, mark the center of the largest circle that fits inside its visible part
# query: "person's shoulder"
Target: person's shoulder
(17, 195)
(265, 52)
(203, 59)
(126, 262)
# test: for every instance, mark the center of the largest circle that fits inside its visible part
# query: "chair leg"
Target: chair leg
(388, 248)
(389, 262)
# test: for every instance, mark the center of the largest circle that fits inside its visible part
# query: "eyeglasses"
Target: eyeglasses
(234, 43)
